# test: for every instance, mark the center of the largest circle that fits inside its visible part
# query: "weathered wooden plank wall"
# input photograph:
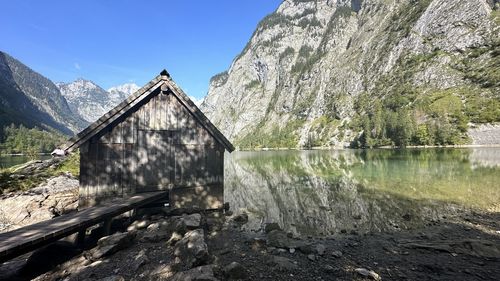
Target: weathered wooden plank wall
(158, 145)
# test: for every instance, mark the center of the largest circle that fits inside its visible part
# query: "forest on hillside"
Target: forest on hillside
(28, 141)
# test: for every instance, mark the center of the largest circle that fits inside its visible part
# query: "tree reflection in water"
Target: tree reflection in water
(324, 192)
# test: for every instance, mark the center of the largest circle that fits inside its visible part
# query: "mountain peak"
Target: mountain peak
(90, 100)
(127, 88)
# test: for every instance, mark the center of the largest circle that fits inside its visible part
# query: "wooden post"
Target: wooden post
(106, 227)
(80, 238)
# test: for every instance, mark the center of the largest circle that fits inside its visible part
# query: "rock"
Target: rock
(283, 263)
(337, 254)
(192, 249)
(111, 244)
(292, 250)
(320, 249)
(200, 273)
(96, 263)
(368, 273)
(119, 238)
(157, 217)
(235, 271)
(257, 242)
(154, 236)
(140, 259)
(241, 218)
(174, 238)
(179, 225)
(131, 227)
(153, 227)
(164, 223)
(54, 197)
(192, 221)
(329, 268)
(307, 249)
(112, 278)
(311, 257)
(142, 224)
(271, 226)
(279, 239)
(138, 225)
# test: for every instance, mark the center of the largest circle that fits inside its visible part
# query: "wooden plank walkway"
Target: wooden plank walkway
(31, 237)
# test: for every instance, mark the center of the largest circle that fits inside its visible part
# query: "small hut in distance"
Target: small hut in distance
(157, 139)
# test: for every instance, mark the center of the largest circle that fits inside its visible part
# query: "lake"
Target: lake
(326, 192)
(7, 161)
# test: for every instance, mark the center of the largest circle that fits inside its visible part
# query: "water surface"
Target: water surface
(7, 161)
(326, 192)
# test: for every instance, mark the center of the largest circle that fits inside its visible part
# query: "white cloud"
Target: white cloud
(77, 66)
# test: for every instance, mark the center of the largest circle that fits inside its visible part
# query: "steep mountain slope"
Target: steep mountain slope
(121, 92)
(30, 99)
(362, 73)
(91, 101)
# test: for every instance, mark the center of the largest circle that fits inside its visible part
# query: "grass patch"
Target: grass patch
(277, 137)
(12, 179)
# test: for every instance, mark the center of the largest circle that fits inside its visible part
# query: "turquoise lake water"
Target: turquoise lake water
(326, 192)
(12, 160)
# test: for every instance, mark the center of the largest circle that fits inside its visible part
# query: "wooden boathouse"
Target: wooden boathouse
(155, 140)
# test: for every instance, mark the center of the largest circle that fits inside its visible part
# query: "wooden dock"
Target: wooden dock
(31, 237)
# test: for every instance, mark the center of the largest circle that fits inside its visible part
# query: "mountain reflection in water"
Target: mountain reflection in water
(325, 192)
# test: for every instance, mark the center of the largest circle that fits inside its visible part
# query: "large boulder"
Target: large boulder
(192, 250)
(111, 244)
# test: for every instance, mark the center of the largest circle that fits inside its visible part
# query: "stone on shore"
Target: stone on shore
(192, 221)
(271, 226)
(283, 263)
(368, 273)
(192, 250)
(111, 244)
(235, 270)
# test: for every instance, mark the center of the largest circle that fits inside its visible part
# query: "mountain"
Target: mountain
(121, 92)
(27, 98)
(362, 73)
(90, 101)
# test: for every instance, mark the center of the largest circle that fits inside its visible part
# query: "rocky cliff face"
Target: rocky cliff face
(91, 101)
(335, 73)
(28, 98)
(119, 93)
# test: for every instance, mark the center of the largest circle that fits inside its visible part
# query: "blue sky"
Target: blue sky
(115, 42)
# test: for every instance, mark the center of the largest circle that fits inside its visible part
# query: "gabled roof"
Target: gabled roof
(162, 81)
